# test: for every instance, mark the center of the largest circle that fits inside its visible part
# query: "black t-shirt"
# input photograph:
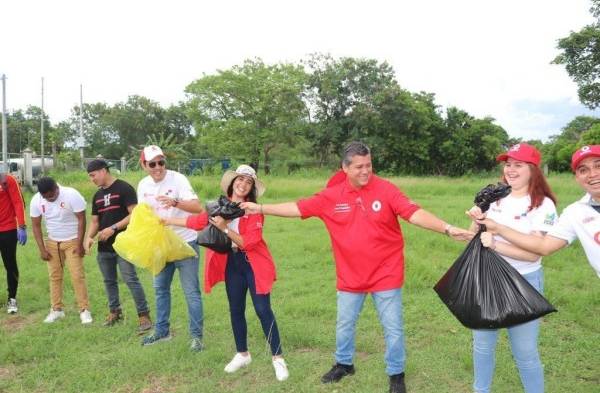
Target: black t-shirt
(110, 205)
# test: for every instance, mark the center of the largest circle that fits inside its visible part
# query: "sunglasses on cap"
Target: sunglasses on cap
(152, 164)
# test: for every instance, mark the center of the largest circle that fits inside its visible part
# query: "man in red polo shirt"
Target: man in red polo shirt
(12, 230)
(360, 212)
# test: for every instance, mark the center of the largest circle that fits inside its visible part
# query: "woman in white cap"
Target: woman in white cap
(247, 267)
(529, 208)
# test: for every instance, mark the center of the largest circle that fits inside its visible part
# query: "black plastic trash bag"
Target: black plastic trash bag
(223, 207)
(490, 194)
(215, 239)
(482, 290)
(211, 236)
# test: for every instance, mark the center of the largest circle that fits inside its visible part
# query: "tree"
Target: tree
(249, 110)
(336, 87)
(560, 148)
(472, 144)
(581, 57)
(111, 131)
(23, 130)
(400, 127)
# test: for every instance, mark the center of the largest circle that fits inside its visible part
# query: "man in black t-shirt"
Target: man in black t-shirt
(111, 207)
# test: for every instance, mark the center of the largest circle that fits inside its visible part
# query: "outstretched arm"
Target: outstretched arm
(287, 209)
(424, 219)
(542, 245)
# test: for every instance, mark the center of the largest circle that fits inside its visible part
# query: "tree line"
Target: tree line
(303, 114)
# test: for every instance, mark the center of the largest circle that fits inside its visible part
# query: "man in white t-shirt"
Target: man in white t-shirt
(63, 211)
(170, 195)
(580, 219)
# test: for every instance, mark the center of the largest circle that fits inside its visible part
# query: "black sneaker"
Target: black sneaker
(337, 372)
(397, 383)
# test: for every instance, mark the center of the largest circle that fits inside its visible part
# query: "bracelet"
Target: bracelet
(261, 208)
(447, 229)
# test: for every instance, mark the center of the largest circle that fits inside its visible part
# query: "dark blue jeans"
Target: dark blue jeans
(239, 278)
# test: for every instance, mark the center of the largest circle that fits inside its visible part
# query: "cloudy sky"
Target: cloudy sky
(490, 58)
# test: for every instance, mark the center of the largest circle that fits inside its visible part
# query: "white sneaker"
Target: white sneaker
(281, 370)
(238, 362)
(86, 317)
(11, 306)
(54, 316)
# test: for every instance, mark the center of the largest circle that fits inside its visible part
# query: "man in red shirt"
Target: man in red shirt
(360, 212)
(12, 230)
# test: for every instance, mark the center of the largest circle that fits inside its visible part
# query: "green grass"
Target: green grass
(69, 357)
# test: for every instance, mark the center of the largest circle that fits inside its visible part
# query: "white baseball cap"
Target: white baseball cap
(150, 152)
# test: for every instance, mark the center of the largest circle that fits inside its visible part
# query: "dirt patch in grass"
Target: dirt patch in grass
(14, 323)
(161, 385)
(7, 372)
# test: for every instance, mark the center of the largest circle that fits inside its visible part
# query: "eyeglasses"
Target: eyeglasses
(152, 164)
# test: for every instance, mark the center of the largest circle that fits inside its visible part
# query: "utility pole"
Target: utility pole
(81, 125)
(42, 129)
(4, 134)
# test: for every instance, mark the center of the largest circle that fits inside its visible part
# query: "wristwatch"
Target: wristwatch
(113, 227)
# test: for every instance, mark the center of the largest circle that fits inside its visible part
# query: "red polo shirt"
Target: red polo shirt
(12, 211)
(365, 234)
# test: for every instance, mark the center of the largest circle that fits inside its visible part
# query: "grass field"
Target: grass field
(68, 357)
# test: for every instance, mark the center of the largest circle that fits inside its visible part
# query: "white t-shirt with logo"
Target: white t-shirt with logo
(512, 212)
(174, 185)
(59, 215)
(581, 220)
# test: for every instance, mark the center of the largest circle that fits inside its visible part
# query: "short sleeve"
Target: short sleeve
(129, 195)
(94, 205)
(77, 201)
(34, 210)
(563, 229)
(184, 188)
(311, 207)
(401, 204)
(544, 217)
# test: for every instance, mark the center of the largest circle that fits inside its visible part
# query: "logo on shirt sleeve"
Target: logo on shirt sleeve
(550, 219)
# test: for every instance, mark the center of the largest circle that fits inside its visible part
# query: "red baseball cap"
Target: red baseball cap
(522, 152)
(584, 152)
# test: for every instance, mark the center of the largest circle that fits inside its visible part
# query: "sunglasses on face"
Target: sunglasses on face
(152, 164)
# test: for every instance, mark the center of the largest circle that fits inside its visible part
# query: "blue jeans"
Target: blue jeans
(188, 275)
(108, 261)
(389, 309)
(239, 279)
(524, 345)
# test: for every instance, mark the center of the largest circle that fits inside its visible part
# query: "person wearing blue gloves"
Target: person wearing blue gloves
(12, 231)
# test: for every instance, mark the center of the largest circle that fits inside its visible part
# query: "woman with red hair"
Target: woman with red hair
(530, 209)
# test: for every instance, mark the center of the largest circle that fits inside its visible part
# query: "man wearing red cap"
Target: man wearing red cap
(580, 219)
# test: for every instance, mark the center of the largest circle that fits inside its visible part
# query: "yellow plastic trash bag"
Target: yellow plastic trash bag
(148, 243)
